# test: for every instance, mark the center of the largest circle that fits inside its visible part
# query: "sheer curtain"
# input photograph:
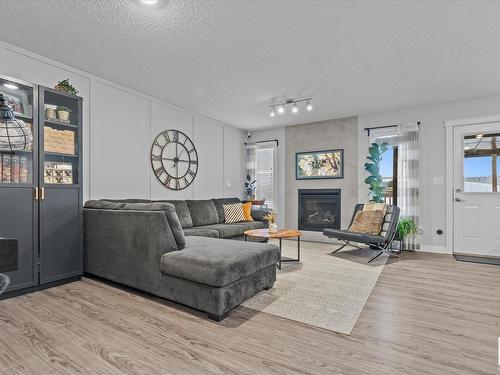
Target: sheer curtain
(408, 177)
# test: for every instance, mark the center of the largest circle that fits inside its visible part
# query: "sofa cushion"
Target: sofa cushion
(218, 263)
(253, 225)
(131, 200)
(346, 235)
(103, 205)
(219, 202)
(258, 212)
(234, 229)
(203, 212)
(227, 230)
(201, 232)
(170, 213)
(182, 210)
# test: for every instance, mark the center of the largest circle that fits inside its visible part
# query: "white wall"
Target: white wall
(119, 126)
(432, 156)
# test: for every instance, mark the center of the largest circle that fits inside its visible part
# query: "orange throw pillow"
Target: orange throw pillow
(247, 209)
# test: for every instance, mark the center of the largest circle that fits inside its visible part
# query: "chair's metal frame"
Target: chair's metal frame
(385, 247)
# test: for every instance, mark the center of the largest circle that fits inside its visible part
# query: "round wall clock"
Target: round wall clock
(174, 159)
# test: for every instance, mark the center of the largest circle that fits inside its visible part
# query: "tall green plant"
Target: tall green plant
(374, 180)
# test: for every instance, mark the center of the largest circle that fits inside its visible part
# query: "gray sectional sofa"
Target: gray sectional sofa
(179, 250)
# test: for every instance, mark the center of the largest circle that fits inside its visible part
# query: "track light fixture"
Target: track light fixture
(280, 107)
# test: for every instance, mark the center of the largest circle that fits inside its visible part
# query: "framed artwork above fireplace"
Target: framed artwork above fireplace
(323, 164)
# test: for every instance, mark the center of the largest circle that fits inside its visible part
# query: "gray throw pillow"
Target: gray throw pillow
(203, 212)
(183, 212)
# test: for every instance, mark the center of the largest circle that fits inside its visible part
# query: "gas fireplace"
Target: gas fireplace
(319, 209)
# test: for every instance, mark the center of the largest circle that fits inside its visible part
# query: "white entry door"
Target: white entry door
(476, 190)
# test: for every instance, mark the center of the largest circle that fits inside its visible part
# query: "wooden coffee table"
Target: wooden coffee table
(284, 233)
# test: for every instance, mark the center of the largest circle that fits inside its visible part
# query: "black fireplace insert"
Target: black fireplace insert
(319, 209)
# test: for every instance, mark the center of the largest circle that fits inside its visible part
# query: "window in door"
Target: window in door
(265, 176)
(481, 163)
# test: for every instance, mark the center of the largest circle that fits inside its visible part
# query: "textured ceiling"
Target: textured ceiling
(230, 59)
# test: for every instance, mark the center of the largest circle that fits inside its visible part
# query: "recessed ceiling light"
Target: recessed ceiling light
(10, 86)
(149, 2)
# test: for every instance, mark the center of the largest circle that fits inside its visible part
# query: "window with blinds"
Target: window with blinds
(264, 174)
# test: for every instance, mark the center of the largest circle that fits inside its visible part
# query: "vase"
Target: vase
(273, 227)
(63, 116)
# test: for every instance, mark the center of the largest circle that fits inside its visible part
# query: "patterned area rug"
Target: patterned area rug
(323, 290)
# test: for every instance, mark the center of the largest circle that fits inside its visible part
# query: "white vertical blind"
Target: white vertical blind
(264, 174)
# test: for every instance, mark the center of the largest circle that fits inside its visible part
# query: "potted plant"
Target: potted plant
(374, 180)
(250, 187)
(66, 87)
(406, 229)
(63, 113)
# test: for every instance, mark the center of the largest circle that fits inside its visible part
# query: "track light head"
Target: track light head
(295, 109)
(281, 109)
(273, 112)
(309, 106)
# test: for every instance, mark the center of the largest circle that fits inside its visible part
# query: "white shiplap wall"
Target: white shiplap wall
(119, 125)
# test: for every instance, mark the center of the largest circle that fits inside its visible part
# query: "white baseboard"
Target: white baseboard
(435, 249)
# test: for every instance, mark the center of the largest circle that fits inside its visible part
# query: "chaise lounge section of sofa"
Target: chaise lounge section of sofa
(142, 244)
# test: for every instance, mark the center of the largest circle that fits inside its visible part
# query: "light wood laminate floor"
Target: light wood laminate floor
(428, 314)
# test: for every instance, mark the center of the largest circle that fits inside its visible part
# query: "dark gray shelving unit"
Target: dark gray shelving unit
(43, 211)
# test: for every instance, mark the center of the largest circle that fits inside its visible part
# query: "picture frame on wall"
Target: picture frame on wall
(315, 165)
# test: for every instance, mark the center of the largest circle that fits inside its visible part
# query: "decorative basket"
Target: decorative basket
(60, 141)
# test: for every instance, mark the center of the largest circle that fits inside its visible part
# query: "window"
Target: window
(264, 175)
(389, 163)
(481, 163)
(389, 173)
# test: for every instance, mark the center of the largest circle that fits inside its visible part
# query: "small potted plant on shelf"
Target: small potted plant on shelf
(63, 113)
(250, 188)
(271, 219)
(406, 229)
(66, 87)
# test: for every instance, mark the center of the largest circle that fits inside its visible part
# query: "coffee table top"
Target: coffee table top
(264, 233)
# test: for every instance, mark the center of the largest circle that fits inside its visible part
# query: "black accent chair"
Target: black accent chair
(380, 242)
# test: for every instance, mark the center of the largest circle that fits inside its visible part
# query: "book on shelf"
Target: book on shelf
(14, 169)
(6, 168)
(23, 170)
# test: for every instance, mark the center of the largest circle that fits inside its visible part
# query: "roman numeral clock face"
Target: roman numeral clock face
(174, 159)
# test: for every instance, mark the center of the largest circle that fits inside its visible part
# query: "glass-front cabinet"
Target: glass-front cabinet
(40, 183)
(60, 134)
(17, 157)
